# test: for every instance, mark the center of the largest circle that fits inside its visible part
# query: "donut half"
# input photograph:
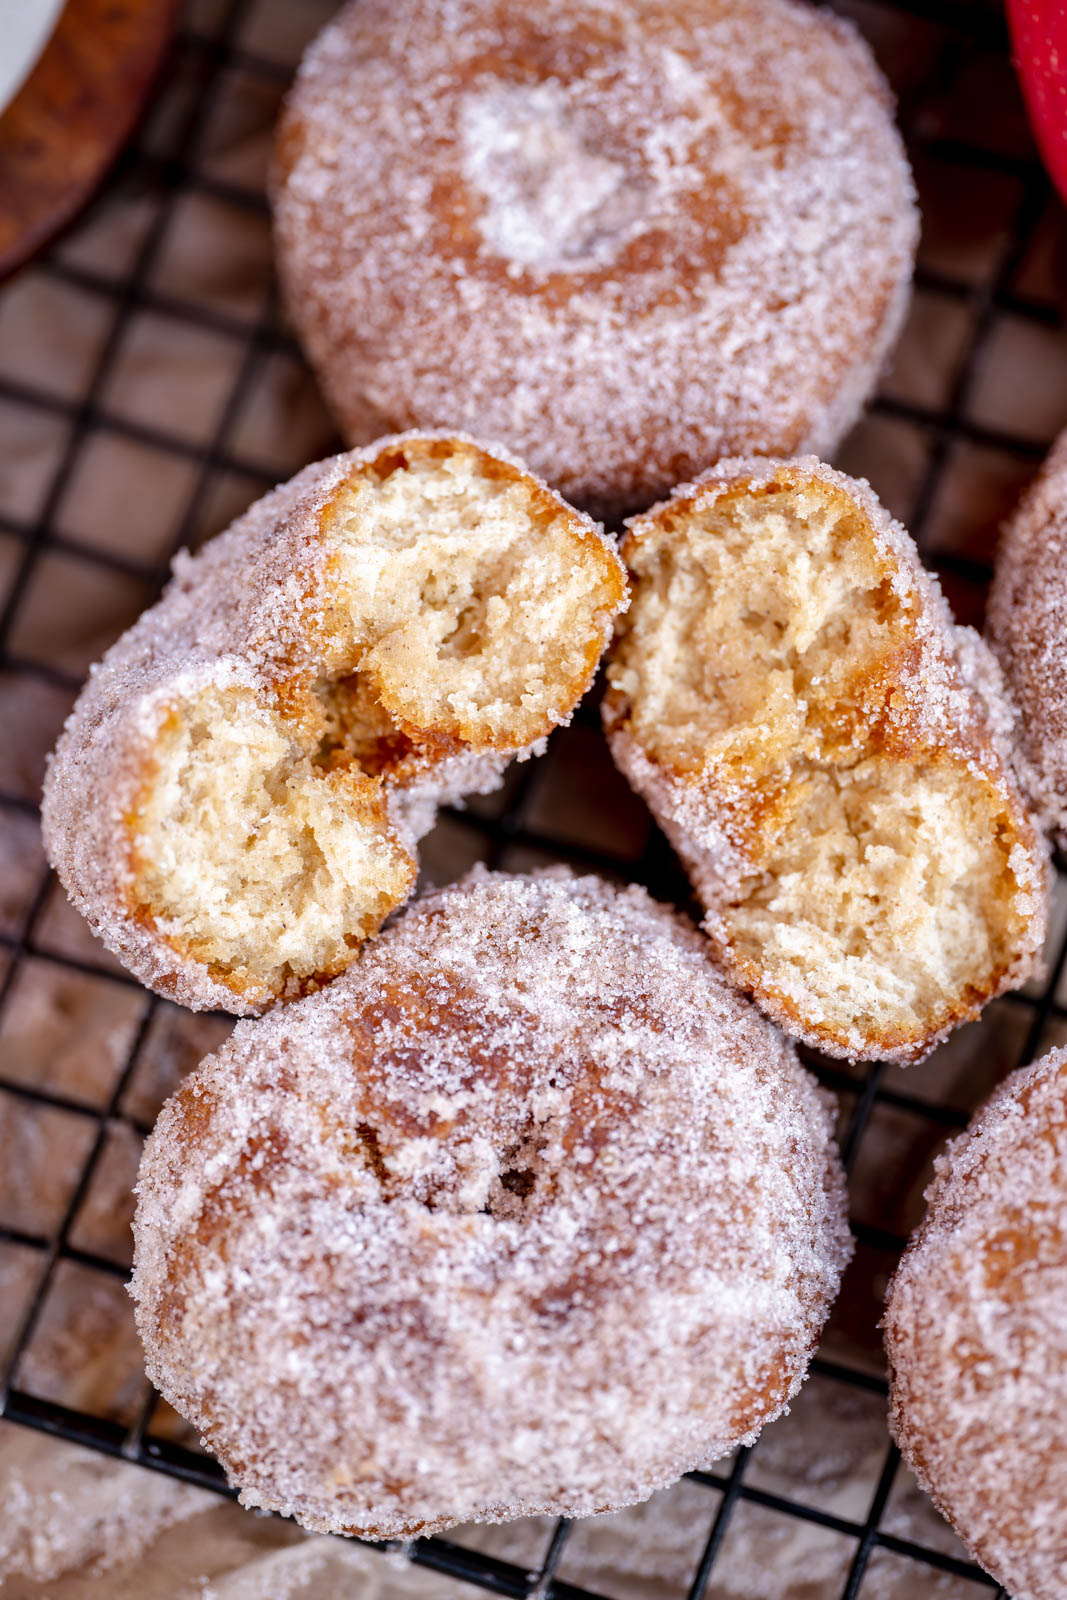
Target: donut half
(827, 752)
(235, 800)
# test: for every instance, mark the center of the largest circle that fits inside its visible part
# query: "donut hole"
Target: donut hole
(515, 1187)
(510, 1194)
(552, 196)
(368, 1144)
(252, 858)
(765, 654)
(520, 1181)
(476, 605)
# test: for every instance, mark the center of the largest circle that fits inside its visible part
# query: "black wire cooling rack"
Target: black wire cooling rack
(952, 76)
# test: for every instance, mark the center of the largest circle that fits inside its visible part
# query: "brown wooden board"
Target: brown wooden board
(69, 120)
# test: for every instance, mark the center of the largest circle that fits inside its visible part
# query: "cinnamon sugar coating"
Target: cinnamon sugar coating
(235, 801)
(624, 238)
(1027, 627)
(828, 753)
(529, 1212)
(976, 1331)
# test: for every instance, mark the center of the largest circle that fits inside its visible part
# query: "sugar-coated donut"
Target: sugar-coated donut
(625, 238)
(826, 751)
(976, 1331)
(1027, 627)
(528, 1212)
(235, 800)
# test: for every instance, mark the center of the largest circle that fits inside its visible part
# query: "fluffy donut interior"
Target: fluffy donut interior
(475, 605)
(462, 609)
(764, 639)
(253, 858)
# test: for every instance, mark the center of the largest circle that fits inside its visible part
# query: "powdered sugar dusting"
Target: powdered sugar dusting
(1028, 629)
(549, 201)
(976, 1329)
(528, 1212)
(625, 239)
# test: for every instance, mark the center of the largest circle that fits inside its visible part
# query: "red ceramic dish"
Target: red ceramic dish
(1039, 39)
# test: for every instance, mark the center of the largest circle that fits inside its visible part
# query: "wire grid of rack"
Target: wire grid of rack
(999, 301)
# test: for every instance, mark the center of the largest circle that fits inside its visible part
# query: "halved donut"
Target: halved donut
(235, 800)
(824, 747)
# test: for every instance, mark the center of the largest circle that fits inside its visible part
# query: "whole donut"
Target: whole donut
(235, 801)
(1027, 627)
(624, 237)
(528, 1212)
(976, 1330)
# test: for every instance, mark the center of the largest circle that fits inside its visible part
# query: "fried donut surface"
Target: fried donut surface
(976, 1331)
(826, 751)
(1027, 627)
(529, 1212)
(235, 800)
(624, 238)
